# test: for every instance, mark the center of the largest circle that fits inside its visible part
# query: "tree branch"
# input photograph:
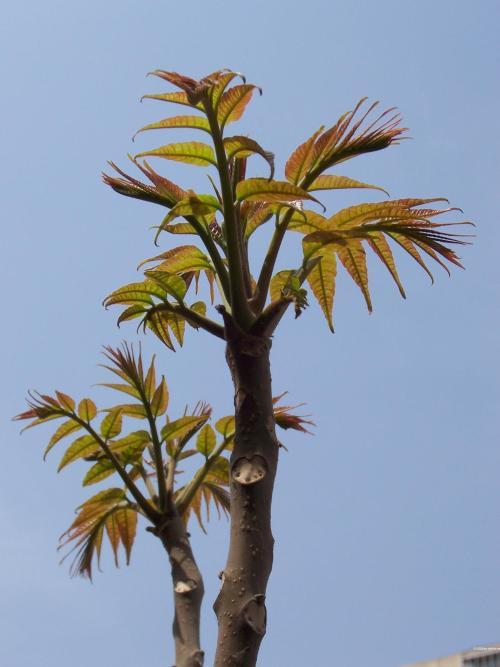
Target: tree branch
(195, 318)
(149, 511)
(214, 255)
(189, 491)
(239, 303)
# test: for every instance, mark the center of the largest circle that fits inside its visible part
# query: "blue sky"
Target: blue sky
(398, 491)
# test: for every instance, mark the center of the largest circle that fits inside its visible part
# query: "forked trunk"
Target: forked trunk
(240, 605)
(188, 592)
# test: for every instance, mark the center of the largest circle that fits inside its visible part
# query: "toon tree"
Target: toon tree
(248, 303)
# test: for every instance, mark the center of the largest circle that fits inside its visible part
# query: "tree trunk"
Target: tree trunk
(240, 605)
(188, 592)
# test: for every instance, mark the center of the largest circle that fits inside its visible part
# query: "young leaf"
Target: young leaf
(180, 260)
(331, 182)
(233, 102)
(83, 446)
(194, 122)
(243, 147)
(99, 471)
(299, 162)
(190, 152)
(159, 403)
(353, 257)
(87, 410)
(182, 427)
(321, 280)
(205, 442)
(111, 425)
(64, 429)
(65, 401)
(225, 426)
(260, 189)
(126, 519)
(135, 293)
(173, 284)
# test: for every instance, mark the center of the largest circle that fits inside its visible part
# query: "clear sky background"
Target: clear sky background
(387, 521)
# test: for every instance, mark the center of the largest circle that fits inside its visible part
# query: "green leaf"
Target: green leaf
(206, 441)
(321, 280)
(150, 381)
(125, 388)
(83, 446)
(159, 323)
(260, 189)
(132, 410)
(111, 425)
(225, 426)
(131, 313)
(279, 282)
(173, 284)
(159, 403)
(135, 292)
(340, 183)
(63, 430)
(233, 102)
(135, 440)
(99, 471)
(180, 260)
(194, 122)
(242, 147)
(397, 209)
(180, 428)
(191, 152)
(307, 222)
(87, 410)
(175, 98)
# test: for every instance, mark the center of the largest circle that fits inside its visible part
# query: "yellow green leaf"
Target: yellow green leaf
(353, 257)
(333, 182)
(170, 282)
(111, 425)
(150, 380)
(260, 189)
(87, 409)
(136, 292)
(381, 248)
(233, 102)
(278, 283)
(63, 430)
(182, 427)
(194, 122)
(206, 441)
(176, 98)
(225, 426)
(99, 471)
(301, 159)
(191, 152)
(241, 147)
(181, 259)
(321, 280)
(83, 446)
(159, 403)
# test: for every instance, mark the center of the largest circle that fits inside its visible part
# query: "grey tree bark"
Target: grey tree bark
(188, 591)
(240, 606)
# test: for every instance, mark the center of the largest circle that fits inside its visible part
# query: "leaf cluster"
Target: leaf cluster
(225, 219)
(145, 462)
